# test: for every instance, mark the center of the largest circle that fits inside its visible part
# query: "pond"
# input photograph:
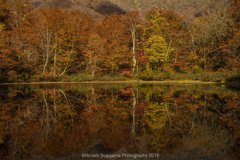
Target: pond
(119, 121)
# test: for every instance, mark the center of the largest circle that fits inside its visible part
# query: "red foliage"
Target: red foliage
(141, 107)
(178, 63)
(178, 100)
(141, 56)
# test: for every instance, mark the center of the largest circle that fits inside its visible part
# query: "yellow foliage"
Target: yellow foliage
(156, 49)
(222, 70)
(156, 115)
(2, 27)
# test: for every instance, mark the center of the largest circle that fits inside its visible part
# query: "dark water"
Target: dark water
(122, 121)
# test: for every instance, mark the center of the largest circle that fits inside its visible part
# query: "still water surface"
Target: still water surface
(72, 121)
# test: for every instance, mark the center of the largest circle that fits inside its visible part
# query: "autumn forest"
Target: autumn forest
(66, 45)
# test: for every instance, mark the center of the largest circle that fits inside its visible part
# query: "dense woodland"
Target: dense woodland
(58, 44)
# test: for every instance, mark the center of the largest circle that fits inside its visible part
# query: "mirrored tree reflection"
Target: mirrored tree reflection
(71, 119)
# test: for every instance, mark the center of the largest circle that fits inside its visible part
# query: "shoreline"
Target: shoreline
(133, 81)
(69, 82)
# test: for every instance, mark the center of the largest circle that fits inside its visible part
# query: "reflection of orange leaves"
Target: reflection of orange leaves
(49, 91)
(94, 123)
(88, 111)
(53, 94)
(178, 100)
(126, 92)
(13, 93)
(233, 106)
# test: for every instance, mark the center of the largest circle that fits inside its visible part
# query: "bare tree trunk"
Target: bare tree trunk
(55, 109)
(204, 52)
(68, 104)
(133, 31)
(67, 65)
(47, 124)
(94, 67)
(94, 97)
(133, 132)
(48, 39)
(55, 57)
(168, 113)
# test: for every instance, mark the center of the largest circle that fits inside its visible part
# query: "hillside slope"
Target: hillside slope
(99, 8)
(95, 8)
(183, 7)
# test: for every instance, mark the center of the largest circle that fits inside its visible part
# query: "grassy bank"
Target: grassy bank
(78, 77)
(207, 77)
(215, 77)
(197, 77)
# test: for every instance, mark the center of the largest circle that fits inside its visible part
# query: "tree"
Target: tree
(174, 33)
(233, 48)
(4, 52)
(133, 21)
(208, 33)
(116, 46)
(94, 53)
(156, 49)
(62, 36)
(156, 118)
(155, 44)
(17, 49)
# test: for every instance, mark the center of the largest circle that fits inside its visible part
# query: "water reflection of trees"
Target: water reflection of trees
(135, 119)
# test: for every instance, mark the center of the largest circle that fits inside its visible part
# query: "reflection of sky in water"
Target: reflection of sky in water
(65, 120)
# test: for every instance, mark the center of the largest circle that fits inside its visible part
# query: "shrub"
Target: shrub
(146, 75)
(206, 77)
(197, 69)
(216, 77)
(126, 73)
(221, 70)
(13, 76)
(85, 77)
(162, 76)
(167, 68)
